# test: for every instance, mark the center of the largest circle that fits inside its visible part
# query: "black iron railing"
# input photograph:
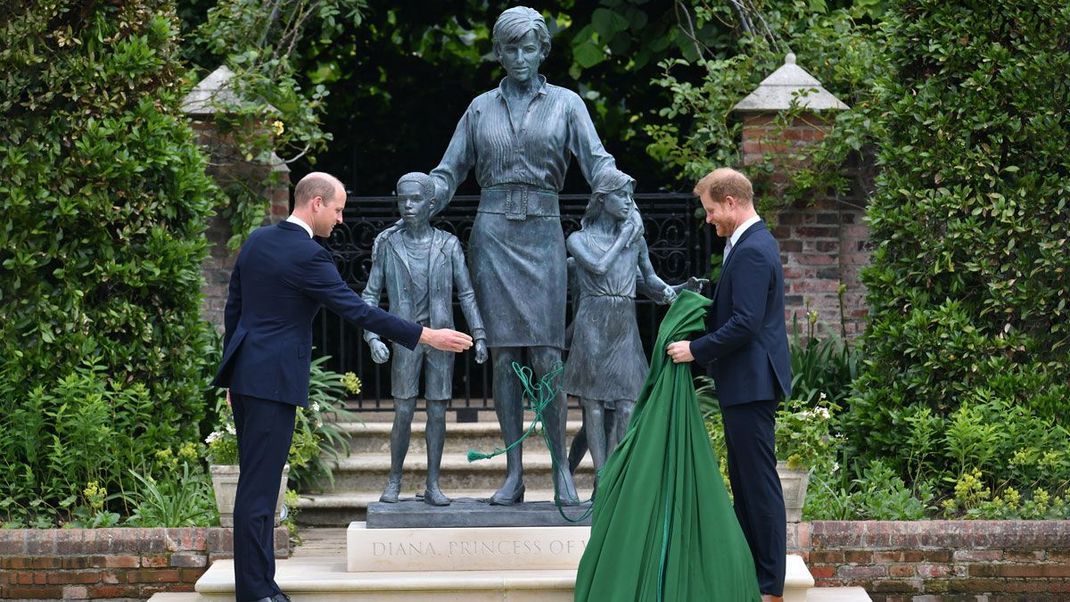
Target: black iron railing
(679, 247)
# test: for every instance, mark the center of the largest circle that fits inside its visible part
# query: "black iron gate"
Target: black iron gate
(679, 247)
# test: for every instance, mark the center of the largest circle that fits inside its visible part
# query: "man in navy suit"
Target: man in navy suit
(280, 281)
(747, 353)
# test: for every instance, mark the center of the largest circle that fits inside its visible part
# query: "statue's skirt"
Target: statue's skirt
(516, 254)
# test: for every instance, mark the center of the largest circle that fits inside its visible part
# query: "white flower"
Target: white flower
(823, 397)
(211, 437)
(823, 412)
(835, 466)
(230, 429)
(315, 406)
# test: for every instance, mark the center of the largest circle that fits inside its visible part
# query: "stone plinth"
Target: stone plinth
(464, 548)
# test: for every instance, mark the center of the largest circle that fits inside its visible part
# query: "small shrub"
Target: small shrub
(878, 493)
(178, 500)
(93, 515)
(324, 442)
(318, 441)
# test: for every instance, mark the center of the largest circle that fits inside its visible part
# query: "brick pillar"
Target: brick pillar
(268, 178)
(823, 241)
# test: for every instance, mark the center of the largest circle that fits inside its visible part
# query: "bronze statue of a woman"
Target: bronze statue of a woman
(519, 138)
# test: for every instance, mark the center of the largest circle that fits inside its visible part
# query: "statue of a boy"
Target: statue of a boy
(420, 266)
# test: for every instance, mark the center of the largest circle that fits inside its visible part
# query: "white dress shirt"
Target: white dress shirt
(732, 240)
(300, 222)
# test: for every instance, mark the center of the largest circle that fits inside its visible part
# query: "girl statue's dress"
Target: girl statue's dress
(606, 364)
(605, 319)
(663, 527)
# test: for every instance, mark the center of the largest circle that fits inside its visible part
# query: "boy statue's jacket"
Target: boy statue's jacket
(390, 270)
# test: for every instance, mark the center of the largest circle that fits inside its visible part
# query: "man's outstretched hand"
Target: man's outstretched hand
(445, 339)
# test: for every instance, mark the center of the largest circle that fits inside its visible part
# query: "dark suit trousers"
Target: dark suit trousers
(265, 429)
(759, 500)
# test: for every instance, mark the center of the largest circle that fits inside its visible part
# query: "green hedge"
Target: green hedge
(105, 201)
(968, 288)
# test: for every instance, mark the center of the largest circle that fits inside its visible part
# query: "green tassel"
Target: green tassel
(474, 455)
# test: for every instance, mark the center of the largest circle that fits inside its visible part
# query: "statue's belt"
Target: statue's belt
(519, 203)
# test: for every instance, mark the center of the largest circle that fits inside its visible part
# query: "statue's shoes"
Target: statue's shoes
(501, 498)
(566, 490)
(568, 501)
(391, 493)
(435, 497)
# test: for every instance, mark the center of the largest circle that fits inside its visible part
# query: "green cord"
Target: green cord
(540, 396)
(525, 374)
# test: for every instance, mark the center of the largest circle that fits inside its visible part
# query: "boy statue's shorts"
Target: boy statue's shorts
(436, 365)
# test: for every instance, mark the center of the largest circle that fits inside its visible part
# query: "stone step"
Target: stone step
(323, 579)
(817, 594)
(367, 472)
(460, 436)
(384, 412)
(838, 594)
(340, 509)
(360, 478)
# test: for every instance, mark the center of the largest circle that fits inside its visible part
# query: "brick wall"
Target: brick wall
(939, 561)
(227, 168)
(823, 246)
(825, 242)
(122, 563)
(915, 561)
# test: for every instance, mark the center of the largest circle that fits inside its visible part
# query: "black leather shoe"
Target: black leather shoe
(279, 597)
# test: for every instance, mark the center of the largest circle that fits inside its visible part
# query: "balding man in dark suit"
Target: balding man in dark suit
(280, 281)
(746, 350)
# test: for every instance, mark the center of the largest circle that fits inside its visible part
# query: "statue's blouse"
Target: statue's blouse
(535, 152)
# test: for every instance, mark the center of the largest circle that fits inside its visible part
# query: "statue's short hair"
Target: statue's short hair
(606, 181)
(427, 185)
(725, 181)
(514, 23)
(316, 184)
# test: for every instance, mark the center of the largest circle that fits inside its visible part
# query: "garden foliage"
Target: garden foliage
(968, 343)
(840, 46)
(105, 200)
(279, 118)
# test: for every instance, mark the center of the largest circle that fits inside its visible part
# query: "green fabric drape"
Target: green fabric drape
(663, 526)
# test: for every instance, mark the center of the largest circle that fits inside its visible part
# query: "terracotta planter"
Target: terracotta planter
(793, 482)
(225, 485)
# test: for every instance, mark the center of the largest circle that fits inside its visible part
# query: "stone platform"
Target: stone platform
(459, 564)
(326, 580)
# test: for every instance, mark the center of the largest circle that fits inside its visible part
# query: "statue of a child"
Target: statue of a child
(420, 266)
(606, 364)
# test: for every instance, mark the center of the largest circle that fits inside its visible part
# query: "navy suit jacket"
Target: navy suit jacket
(746, 347)
(281, 279)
